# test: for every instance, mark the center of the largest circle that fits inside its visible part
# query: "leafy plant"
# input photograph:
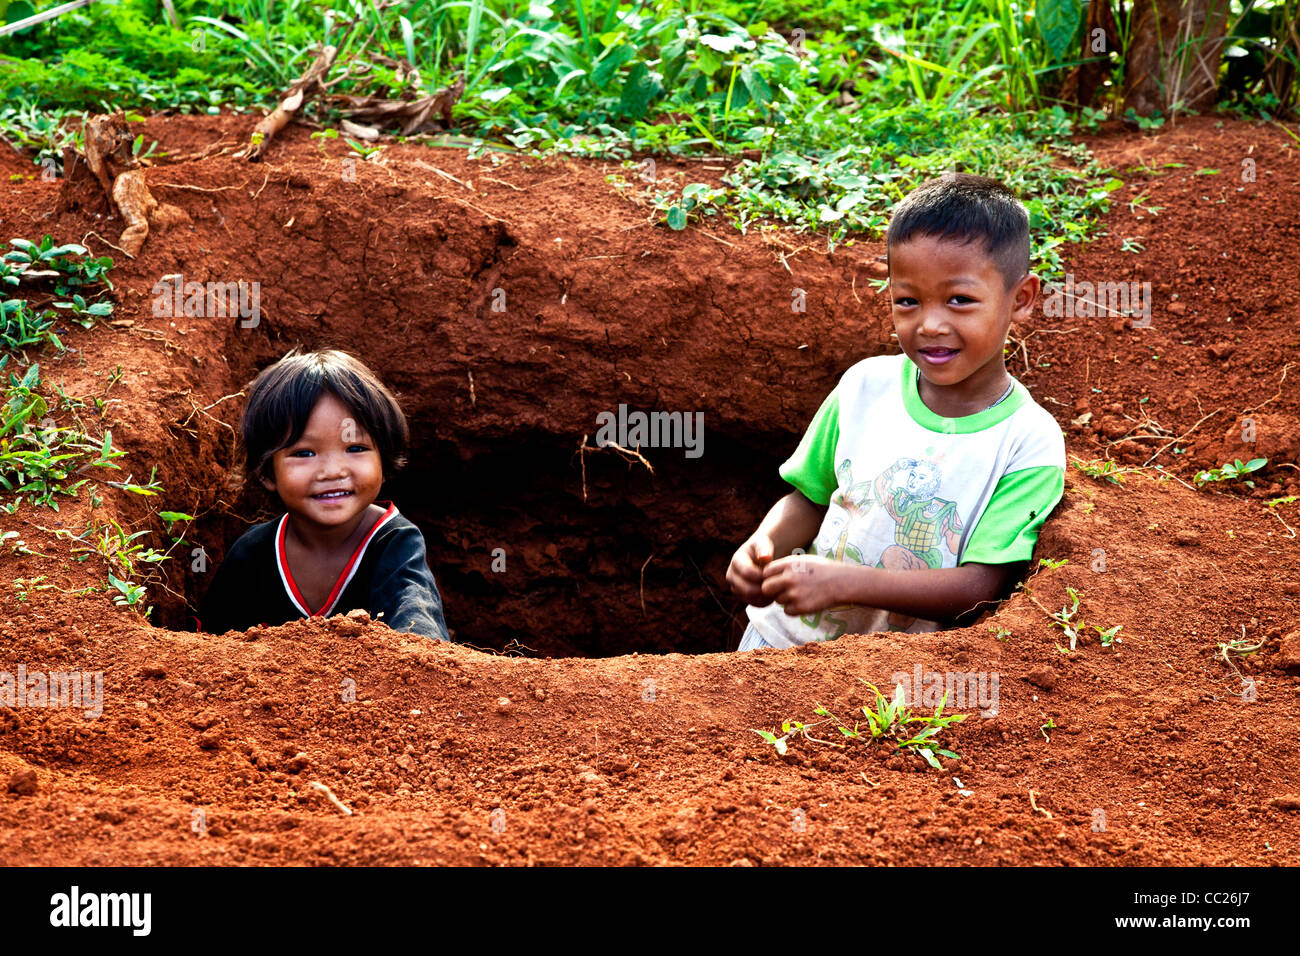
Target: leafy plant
(119, 550)
(1154, 121)
(1070, 620)
(1231, 471)
(37, 457)
(697, 199)
(128, 594)
(1107, 469)
(886, 719)
(68, 261)
(84, 314)
(1065, 619)
(363, 150)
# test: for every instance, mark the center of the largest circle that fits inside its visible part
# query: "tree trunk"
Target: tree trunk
(1087, 79)
(1173, 57)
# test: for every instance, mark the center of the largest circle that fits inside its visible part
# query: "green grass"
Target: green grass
(831, 111)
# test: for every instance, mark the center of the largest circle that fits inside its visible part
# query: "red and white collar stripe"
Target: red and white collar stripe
(345, 577)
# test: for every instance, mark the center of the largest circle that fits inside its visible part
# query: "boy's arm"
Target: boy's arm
(808, 584)
(998, 552)
(402, 588)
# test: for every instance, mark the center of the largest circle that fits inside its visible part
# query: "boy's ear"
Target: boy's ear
(1026, 294)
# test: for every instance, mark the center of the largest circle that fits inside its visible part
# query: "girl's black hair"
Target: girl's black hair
(281, 399)
(966, 207)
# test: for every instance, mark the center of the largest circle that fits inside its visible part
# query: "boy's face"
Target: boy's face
(333, 472)
(952, 313)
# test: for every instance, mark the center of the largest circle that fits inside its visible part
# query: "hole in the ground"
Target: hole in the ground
(523, 562)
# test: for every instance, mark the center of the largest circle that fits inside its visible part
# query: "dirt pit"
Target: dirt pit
(510, 301)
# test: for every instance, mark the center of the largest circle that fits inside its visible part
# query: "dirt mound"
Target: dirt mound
(510, 301)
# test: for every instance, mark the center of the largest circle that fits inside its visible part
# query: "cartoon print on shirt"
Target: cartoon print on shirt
(849, 502)
(923, 522)
(924, 525)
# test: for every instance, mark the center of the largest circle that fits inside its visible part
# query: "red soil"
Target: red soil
(650, 758)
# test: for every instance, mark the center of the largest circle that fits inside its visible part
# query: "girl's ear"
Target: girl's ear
(267, 483)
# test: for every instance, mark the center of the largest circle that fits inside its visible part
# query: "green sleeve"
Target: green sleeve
(1008, 529)
(811, 468)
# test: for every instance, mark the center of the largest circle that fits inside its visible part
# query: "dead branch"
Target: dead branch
(307, 85)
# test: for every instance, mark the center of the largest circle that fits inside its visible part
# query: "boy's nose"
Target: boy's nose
(934, 324)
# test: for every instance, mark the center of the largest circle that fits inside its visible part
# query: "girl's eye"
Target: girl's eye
(358, 448)
(301, 452)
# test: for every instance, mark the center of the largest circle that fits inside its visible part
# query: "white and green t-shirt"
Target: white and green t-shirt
(906, 488)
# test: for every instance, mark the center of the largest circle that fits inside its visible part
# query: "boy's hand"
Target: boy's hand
(804, 583)
(745, 575)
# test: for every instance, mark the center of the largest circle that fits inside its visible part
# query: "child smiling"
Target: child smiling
(322, 432)
(923, 479)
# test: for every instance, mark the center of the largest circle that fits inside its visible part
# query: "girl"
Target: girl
(321, 431)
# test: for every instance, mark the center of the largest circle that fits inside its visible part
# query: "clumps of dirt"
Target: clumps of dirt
(341, 741)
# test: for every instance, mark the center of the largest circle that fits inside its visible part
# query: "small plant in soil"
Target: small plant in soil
(128, 594)
(1071, 623)
(1154, 121)
(119, 549)
(83, 314)
(362, 151)
(1065, 618)
(697, 199)
(886, 720)
(321, 135)
(1231, 471)
(21, 328)
(1104, 469)
(68, 263)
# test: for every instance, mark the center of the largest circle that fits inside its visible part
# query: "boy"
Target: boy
(923, 479)
(321, 431)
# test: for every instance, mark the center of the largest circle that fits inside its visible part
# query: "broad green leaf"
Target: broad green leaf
(609, 63)
(1058, 21)
(641, 88)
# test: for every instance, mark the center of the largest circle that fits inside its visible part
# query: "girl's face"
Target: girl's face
(333, 472)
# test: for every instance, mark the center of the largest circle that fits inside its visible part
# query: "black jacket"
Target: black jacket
(388, 576)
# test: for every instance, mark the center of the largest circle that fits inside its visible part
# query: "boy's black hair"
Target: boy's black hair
(966, 207)
(282, 396)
